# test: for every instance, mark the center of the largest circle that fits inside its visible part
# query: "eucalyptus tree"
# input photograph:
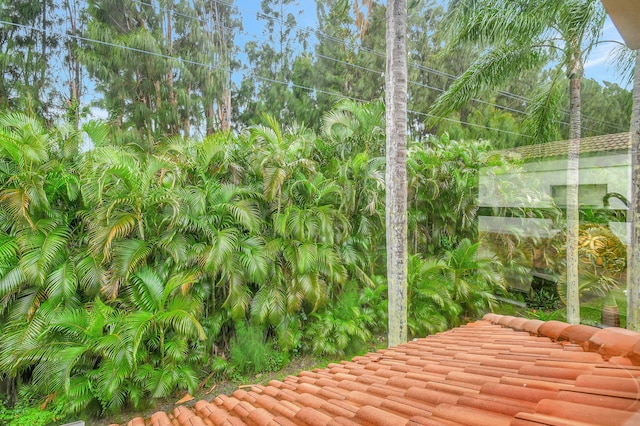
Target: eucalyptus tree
(133, 76)
(27, 41)
(519, 36)
(162, 66)
(348, 53)
(609, 104)
(266, 87)
(204, 36)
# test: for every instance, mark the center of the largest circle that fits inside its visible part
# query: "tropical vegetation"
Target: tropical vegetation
(128, 274)
(215, 225)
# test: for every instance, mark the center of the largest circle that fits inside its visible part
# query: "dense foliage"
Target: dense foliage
(127, 273)
(159, 68)
(139, 255)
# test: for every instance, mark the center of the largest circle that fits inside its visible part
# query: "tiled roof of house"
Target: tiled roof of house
(500, 370)
(618, 141)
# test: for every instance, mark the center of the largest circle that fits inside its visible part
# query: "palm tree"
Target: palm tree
(283, 153)
(396, 174)
(39, 193)
(162, 319)
(352, 127)
(431, 305)
(128, 200)
(78, 354)
(633, 308)
(523, 35)
(352, 151)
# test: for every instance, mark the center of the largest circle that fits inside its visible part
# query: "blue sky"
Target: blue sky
(597, 65)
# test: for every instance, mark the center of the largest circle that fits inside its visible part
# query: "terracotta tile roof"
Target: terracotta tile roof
(500, 370)
(617, 141)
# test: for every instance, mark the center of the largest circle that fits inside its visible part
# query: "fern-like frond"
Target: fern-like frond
(495, 66)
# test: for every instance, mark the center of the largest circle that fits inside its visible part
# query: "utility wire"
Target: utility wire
(506, 108)
(379, 54)
(310, 89)
(413, 64)
(288, 84)
(120, 46)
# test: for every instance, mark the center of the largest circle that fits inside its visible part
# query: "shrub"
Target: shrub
(22, 414)
(251, 353)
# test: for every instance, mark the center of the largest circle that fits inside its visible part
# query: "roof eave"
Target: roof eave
(625, 15)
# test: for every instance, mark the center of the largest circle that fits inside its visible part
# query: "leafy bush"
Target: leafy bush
(251, 353)
(431, 306)
(346, 326)
(545, 298)
(22, 414)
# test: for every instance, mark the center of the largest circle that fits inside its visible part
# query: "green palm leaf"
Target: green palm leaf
(102, 237)
(61, 284)
(269, 304)
(493, 68)
(129, 255)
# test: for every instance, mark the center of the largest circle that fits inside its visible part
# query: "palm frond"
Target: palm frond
(91, 275)
(269, 305)
(182, 321)
(582, 22)
(543, 110)
(61, 284)
(494, 67)
(102, 237)
(129, 255)
(623, 60)
(148, 289)
(10, 282)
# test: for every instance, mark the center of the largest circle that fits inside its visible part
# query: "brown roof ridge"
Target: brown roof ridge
(500, 370)
(613, 343)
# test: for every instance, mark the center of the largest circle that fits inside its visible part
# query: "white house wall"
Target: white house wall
(531, 187)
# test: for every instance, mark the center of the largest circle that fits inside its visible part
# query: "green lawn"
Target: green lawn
(590, 310)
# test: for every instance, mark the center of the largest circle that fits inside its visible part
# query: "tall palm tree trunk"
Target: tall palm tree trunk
(396, 172)
(573, 178)
(633, 268)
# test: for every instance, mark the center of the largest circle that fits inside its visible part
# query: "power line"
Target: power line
(288, 84)
(120, 46)
(415, 64)
(312, 89)
(382, 55)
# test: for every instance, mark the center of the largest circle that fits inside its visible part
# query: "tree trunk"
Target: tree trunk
(633, 267)
(209, 115)
(225, 119)
(396, 171)
(187, 115)
(44, 64)
(573, 178)
(75, 82)
(172, 97)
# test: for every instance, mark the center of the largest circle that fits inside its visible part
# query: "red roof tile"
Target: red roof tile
(498, 371)
(614, 341)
